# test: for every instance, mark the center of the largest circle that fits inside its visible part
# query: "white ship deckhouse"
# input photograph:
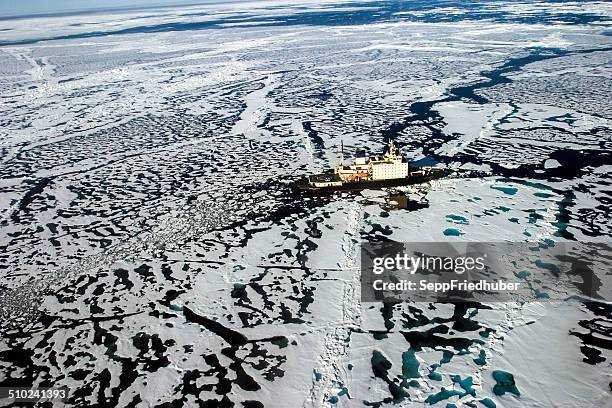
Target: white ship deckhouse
(390, 166)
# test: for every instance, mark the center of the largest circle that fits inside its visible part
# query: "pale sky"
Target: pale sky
(25, 7)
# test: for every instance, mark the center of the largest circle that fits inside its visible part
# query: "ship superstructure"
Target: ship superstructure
(390, 166)
(390, 169)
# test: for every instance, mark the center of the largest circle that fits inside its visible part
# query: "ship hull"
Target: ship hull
(413, 178)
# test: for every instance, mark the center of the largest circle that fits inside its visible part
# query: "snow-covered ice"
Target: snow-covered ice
(154, 254)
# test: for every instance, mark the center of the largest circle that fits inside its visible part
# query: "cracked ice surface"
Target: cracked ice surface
(154, 254)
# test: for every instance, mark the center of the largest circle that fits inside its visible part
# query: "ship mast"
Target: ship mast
(393, 150)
